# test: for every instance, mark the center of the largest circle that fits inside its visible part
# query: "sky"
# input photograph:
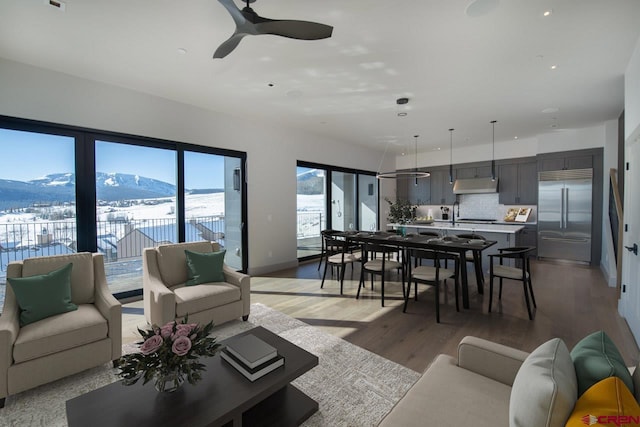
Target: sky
(27, 155)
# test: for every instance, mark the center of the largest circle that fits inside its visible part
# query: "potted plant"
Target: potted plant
(401, 212)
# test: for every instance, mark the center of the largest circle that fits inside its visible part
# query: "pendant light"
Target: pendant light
(451, 156)
(493, 150)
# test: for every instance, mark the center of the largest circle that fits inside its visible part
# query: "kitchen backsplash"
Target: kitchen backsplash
(477, 206)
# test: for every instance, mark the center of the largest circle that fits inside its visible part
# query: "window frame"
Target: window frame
(85, 138)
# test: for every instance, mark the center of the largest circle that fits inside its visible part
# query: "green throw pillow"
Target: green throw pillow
(595, 358)
(43, 295)
(204, 267)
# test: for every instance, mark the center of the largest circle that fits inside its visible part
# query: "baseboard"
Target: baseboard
(608, 277)
(257, 271)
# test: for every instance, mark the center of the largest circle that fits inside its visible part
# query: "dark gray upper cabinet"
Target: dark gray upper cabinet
(482, 170)
(402, 189)
(566, 160)
(419, 190)
(441, 189)
(414, 191)
(518, 182)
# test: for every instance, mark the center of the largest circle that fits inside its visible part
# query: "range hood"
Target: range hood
(475, 186)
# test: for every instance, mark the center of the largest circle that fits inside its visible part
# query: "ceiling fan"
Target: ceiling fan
(248, 23)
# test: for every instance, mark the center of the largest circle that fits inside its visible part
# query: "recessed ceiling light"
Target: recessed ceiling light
(515, 137)
(402, 114)
(182, 50)
(270, 85)
(553, 67)
(547, 12)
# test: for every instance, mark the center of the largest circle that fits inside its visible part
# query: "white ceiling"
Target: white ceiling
(459, 71)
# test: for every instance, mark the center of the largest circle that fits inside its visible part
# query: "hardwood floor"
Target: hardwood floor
(572, 300)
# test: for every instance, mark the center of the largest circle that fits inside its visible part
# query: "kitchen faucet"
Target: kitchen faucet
(453, 213)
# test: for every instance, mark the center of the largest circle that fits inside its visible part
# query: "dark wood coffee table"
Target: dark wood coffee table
(223, 397)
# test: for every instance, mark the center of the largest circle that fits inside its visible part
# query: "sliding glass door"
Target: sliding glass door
(37, 197)
(65, 189)
(368, 198)
(213, 202)
(332, 198)
(135, 207)
(343, 201)
(311, 209)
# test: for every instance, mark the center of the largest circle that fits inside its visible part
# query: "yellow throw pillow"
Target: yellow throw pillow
(606, 403)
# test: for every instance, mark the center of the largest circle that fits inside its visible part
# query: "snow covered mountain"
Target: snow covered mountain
(60, 187)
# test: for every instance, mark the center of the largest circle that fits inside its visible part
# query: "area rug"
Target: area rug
(353, 386)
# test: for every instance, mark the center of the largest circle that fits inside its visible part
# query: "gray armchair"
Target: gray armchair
(166, 297)
(63, 344)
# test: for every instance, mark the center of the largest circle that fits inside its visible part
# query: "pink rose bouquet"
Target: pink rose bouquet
(172, 349)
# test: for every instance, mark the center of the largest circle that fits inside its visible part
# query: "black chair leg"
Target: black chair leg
(2, 402)
(526, 299)
(533, 298)
(500, 293)
(360, 283)
(437, 302)
(382, 287)
(455, 283)
(490, 292)
(326, 265)
(406, 299)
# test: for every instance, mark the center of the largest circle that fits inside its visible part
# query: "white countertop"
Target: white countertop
(473, 227)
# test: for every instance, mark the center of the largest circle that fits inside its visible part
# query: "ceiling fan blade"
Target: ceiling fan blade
(235, 13)
(301, 30)
(227, 47)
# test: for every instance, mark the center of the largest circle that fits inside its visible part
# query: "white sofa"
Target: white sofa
(166, 297)
(476, 389)
(63, 344)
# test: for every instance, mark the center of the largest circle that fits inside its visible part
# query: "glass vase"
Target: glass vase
(168, 382)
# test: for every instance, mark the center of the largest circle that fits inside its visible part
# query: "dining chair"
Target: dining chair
(377, 259)
(323, 248)
(338, 255)
(521, 273)
(434, 275)
(474, 256)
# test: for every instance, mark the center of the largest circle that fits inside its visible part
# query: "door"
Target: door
(213, 202)
(368, 202)
(630, 297)
(343, 201)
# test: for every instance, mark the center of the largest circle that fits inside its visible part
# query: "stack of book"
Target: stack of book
(251, 356)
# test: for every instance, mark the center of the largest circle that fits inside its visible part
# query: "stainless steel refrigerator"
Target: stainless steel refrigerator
(564, 214)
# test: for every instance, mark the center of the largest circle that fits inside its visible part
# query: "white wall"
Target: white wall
(632, 94)
(610, 161)
(272, 151)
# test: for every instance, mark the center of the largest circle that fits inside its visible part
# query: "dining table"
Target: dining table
(451, 244)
